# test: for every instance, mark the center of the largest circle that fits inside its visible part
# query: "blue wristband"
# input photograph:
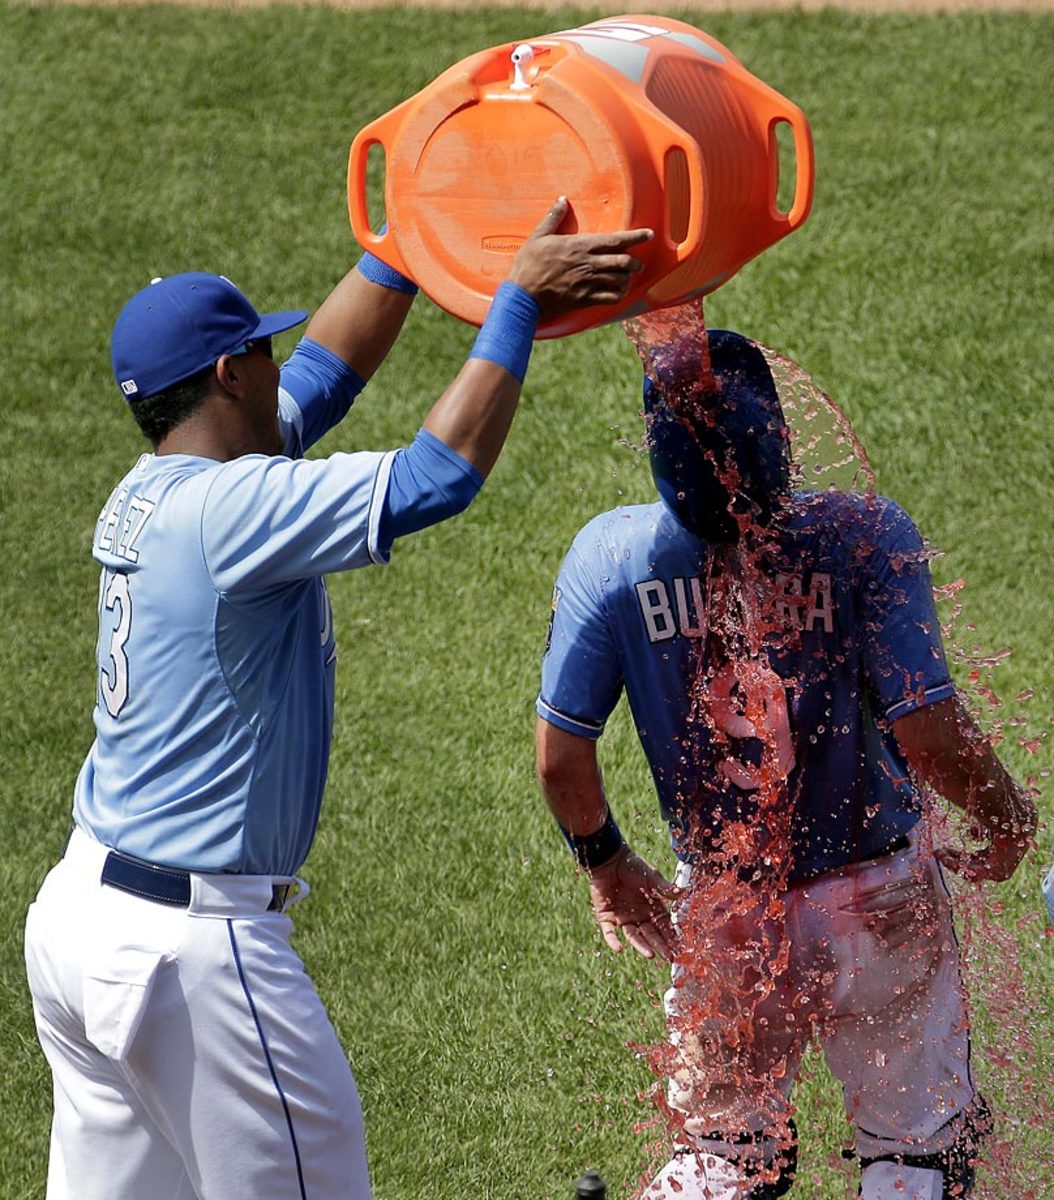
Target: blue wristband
(595, 849)
(507, 334)
(379, 272)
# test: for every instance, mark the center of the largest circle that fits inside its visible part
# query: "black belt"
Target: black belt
(754, 873)
(894, 847)
(165, 885)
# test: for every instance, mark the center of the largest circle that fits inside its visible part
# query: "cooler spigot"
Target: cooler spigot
(522, 57)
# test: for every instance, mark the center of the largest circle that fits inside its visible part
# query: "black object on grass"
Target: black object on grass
(591, 1186)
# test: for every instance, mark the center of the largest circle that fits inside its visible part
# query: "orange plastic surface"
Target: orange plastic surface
(638, 120)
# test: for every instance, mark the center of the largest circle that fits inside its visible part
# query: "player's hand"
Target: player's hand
(564, 271)
(1007, 846)
(628, 893)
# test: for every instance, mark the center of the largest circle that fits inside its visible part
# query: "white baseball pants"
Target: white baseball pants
(190, 1053)
(871, 969)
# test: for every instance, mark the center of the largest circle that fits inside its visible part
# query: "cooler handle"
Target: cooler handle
(378, 133)
(804, 172)
(678, 139)
(693, 236)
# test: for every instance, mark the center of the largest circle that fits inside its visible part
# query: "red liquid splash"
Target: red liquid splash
(732, 976)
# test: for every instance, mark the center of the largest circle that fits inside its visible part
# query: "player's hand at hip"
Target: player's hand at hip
(1007, 846)
(564, 271)
(628, 893)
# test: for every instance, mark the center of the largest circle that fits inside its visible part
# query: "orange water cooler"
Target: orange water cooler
(638, 120)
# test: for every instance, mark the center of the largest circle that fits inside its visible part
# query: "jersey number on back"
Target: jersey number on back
(114, 599)
(749, 700)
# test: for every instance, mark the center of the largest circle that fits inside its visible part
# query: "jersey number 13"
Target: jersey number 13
(115, 614)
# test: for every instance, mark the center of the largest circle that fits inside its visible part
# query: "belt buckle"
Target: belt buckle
(281, 894)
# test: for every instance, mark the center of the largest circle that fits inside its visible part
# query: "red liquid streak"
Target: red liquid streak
(733, 963)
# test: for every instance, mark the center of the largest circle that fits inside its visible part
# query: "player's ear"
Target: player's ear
(230, 375)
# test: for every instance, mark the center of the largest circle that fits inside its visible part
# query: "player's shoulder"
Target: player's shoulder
(186, 488)
(161, 496)
(850, 517)
(254, 477)
(834, 504)
(621, 528)
(619, 547)
(163, 478)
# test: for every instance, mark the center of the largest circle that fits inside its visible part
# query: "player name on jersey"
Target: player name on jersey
(119, 536)
(677, 606)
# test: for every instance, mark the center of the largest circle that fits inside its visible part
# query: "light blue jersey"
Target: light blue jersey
(216, 652)
(857, 645)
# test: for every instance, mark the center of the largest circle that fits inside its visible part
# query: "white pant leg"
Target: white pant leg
(187, 1045)
(104, 1144)
(239, 1062)
(874, 966)
(735, 1052)
(897, 1036)
(735, 1056)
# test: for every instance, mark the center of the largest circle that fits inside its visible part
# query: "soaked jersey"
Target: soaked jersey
(216, 654)
(852, 643)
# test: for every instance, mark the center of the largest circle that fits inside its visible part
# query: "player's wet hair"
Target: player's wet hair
(159, 414)
(718, 440)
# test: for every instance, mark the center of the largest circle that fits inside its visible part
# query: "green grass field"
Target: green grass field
(447, 933)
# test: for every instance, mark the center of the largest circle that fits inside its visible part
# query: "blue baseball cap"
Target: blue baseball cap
(180, 325)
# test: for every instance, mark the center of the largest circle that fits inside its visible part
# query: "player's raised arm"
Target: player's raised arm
(440, 473)
(344, 344)
(947, 750)
(552, 273)
(363, 315)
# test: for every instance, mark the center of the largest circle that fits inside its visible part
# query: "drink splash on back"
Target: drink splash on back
(746, 1002)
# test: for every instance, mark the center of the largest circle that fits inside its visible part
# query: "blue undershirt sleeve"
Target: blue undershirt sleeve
(429, 482)
(322, 386)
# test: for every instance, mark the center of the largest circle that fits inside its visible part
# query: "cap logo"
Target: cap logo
(129, 387)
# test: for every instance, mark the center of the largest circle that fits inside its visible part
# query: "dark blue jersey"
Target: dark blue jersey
(852, 635)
